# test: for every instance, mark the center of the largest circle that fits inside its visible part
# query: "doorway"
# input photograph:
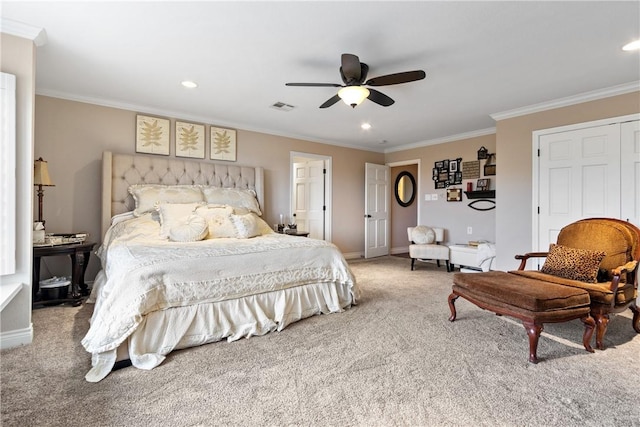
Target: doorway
(311, 194)
(403, 216)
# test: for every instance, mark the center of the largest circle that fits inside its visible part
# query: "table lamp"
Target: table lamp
(41, 179)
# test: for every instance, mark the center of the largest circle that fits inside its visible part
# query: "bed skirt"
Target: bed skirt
(195, 325)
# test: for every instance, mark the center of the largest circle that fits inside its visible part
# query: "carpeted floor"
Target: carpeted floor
(394, 359)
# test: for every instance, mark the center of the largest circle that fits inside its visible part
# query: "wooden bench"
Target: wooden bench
(532, 301)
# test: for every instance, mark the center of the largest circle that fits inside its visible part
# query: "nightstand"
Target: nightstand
(297, 233)
(79, 254)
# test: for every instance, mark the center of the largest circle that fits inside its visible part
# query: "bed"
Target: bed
(178, 272)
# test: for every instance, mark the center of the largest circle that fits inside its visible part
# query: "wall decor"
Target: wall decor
(482, 184)
(152, 135)
(489, 170)
(441, 174)
(482, 153)
(471, 170)
(223, 144)
(454, 194)
(405, 188)
(482, 205)
(190, 140)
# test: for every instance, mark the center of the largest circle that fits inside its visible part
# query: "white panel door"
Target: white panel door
(579, 178)
(377, 197)
(308, 197)
(630, 172)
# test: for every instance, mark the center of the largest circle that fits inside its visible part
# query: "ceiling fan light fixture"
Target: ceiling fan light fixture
(634, 45)
(353, 95)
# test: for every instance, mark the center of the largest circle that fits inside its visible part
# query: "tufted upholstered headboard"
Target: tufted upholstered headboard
(119, 171)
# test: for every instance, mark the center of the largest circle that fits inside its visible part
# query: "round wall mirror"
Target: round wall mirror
(405, 188)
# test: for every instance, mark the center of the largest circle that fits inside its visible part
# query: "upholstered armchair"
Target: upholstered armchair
(599, 255)
(426, 245)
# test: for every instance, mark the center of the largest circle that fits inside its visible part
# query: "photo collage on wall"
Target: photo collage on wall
(447, 172)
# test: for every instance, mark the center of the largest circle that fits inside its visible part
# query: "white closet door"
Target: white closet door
(630, 172)
(579, 178)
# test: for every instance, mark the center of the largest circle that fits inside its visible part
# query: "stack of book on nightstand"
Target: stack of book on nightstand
(55, 239)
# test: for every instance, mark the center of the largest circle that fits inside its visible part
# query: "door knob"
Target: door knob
(367, 216)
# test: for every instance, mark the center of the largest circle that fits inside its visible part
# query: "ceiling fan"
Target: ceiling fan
(353, 91)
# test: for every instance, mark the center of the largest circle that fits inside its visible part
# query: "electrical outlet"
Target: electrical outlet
(427, 197)
(469, 230)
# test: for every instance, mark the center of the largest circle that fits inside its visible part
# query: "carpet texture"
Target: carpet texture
(394, 359)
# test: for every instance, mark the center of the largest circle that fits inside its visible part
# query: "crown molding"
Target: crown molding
(20, 29)
(570, 100)
(451, 138)
(190, 117)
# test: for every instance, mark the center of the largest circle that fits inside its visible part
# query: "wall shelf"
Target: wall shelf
(488, 194)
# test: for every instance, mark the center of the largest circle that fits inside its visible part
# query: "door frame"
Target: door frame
(328, 196)
(418, 181)
(535, 145)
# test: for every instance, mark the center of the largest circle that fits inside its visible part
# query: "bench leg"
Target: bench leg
(589, 325)
(452, 299)
(413, 261)
(533, 330)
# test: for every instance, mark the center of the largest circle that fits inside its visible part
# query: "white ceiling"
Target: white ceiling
(480, 58)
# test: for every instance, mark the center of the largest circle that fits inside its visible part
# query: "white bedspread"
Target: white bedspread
(144, 274)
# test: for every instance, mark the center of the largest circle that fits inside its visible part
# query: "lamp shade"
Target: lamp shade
(41, 173)
(353, 95)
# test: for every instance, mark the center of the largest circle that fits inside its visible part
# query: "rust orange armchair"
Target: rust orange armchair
(599, 255)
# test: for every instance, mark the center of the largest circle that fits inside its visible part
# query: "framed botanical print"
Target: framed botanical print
(190, 140)
(223, 144)
(152, 135)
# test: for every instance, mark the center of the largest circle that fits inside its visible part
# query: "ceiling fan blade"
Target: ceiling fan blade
(314, 84)
(329, 102)
(380, 98)
(397, 78)
(351, 68)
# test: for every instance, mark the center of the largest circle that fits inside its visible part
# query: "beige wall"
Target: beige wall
(402, 216)
(17, 57)
(454, 217)
(71, 136)
(514, 146)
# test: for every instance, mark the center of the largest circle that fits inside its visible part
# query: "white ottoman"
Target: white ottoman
(464, 256)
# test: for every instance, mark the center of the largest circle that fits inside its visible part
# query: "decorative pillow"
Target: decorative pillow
(148, 196)
(173, 214)
(572, 263)
(193, 229)
(235, 197)
(423, 235)
(219, 221)
(250, 225)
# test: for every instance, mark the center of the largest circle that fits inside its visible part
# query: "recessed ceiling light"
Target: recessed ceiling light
(189, 84)
(365, 126)
(634, 45)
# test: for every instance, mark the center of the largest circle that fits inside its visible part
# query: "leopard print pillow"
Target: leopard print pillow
(572, 263)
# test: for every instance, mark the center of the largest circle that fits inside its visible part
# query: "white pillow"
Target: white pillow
(148, 196)
(193, 229)
(423, 235)
(174, 214)
(235, 197)
(249, 225)
(219, 220)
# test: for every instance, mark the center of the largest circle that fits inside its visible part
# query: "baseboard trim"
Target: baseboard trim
(402, 250)
(353, 255)
(16, 338)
